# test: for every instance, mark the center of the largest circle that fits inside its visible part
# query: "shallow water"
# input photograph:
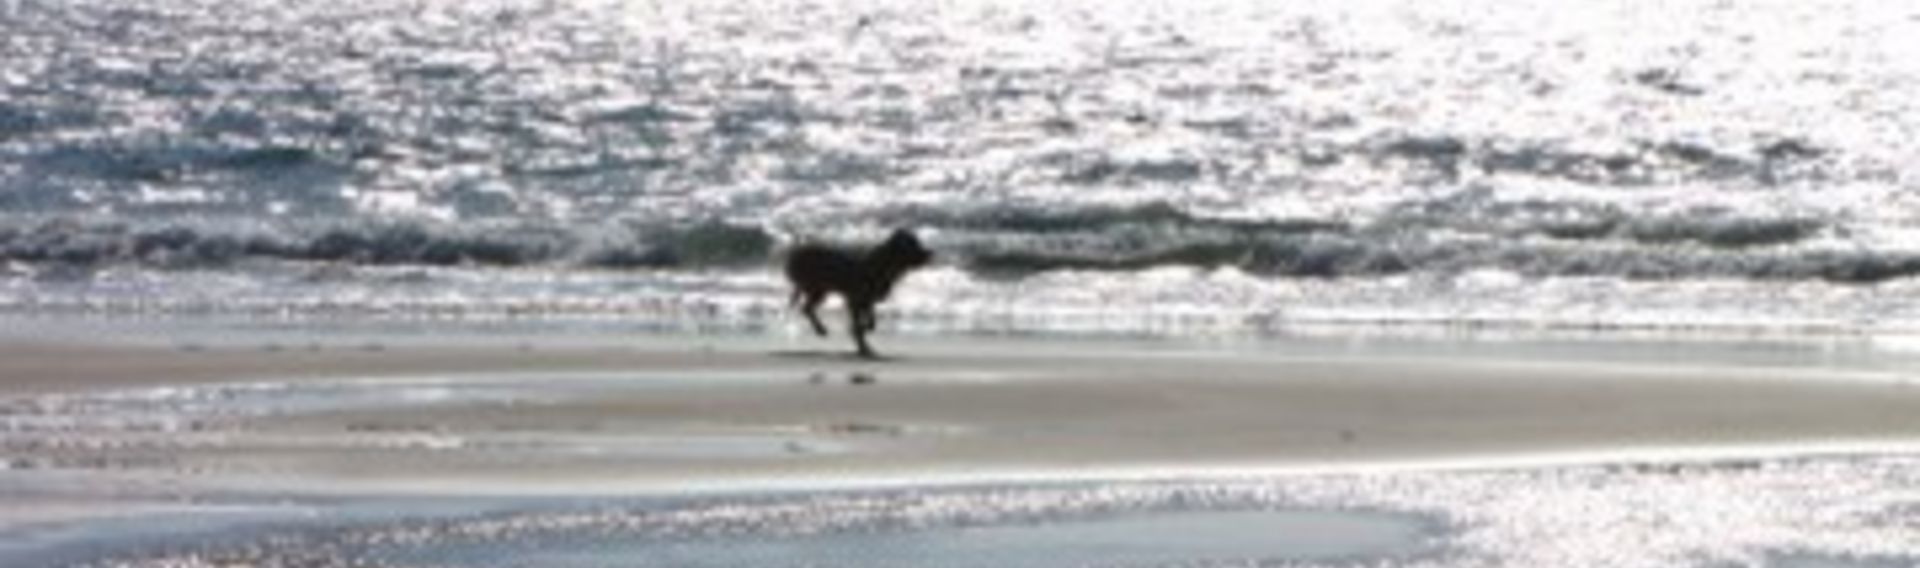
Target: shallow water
(1838, 511)
(198, 476)
(1134, 539)
(830, 530)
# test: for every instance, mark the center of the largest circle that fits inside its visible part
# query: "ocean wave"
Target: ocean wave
(1337, 256)
(1034, 218)
(701, 245)
(1640, 163)
(1536, 241)
(163, 163)
(70, 242)
(16, 121)
(1466, 231)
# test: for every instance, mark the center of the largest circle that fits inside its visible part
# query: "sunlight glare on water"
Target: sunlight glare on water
(1789, 512)
(1637, 163)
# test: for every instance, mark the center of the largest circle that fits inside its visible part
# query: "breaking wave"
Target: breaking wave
(1529, 239)
(70, 242)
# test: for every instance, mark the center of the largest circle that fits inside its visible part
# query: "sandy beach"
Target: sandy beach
(672, 415)
(328, 448)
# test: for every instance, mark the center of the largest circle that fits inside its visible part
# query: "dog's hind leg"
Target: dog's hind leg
(810, 301)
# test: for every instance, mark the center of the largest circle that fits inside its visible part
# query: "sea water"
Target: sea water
(1814, 512)
(1100, 166)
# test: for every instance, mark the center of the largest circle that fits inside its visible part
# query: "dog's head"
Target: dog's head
(904, 250)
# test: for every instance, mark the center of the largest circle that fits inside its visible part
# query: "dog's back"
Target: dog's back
(862, 278)
(818, 269)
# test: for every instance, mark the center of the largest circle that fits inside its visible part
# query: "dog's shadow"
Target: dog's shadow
(820, 355)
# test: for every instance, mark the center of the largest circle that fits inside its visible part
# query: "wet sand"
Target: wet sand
(606, 417)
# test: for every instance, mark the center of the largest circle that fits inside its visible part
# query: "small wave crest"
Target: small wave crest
(1465, 232)
(1436, 237)
(1042, 219)
(1333, 257)
(1639, 163)
(70, 242)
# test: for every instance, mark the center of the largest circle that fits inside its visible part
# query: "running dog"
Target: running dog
(862, 280)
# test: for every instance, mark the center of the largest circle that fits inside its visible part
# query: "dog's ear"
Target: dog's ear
(908, 249)
(903, 237)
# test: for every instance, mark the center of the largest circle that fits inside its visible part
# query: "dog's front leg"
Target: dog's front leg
(860, 318)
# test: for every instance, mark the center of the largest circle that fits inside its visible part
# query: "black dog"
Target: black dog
(861, 280)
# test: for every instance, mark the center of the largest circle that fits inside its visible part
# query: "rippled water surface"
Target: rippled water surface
(1817, 512)
(1219, 164)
